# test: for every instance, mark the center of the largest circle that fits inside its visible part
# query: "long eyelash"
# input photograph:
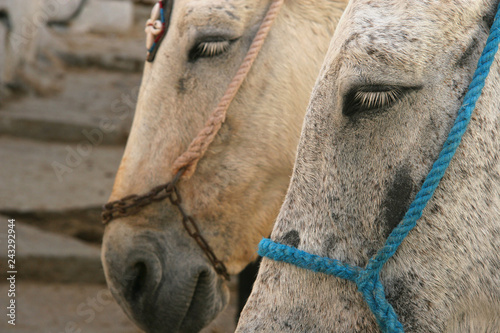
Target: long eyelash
(376, 99)
(212, 49)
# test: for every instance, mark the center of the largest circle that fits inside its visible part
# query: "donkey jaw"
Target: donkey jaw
(161, 288)
(203, 297)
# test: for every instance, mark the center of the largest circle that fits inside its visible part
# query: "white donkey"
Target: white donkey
(388, 93)
(155, 270)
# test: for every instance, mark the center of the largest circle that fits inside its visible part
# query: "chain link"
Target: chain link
(132, 204)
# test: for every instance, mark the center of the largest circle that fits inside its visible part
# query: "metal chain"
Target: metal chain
(132, 204)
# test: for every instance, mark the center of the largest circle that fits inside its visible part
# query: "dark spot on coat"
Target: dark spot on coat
(436, 209)
(370, 248)
(403, 298)
(489, 16)
(330, 245)
(464, 59)
(349, 40)
(181, 85)
(291, 238)
(398, 199)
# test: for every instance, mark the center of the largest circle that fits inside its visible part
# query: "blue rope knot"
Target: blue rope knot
(370, 286)
(368, 279)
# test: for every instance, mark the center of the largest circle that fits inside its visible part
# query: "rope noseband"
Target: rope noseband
(185, 165)
(368, 279)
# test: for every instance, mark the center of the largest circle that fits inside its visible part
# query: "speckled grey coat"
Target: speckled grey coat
(361, 159)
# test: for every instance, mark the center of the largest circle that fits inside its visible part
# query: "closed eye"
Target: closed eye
(209, 49)
(373, 97)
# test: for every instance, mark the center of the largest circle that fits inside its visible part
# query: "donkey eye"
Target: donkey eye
(209, 49)
(369, 98)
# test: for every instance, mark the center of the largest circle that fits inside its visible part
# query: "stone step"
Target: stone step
(58, 308)
(47, 257)
(93, 104)
(79, 223)
(42, 176)
(108, 52)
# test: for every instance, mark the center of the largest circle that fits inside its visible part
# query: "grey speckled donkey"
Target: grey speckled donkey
(390, 88)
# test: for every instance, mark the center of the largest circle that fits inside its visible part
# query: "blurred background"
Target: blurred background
(70, 72)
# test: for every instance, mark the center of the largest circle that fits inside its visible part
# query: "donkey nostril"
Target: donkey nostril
(137, 281)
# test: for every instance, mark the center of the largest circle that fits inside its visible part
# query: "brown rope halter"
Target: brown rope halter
(185, 165)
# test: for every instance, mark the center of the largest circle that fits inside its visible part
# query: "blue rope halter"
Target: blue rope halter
(368, 279)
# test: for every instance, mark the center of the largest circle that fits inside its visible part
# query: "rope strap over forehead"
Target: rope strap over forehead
(199, 145)
(368, 279)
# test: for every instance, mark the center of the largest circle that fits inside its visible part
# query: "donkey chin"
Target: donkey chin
(161, 282)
